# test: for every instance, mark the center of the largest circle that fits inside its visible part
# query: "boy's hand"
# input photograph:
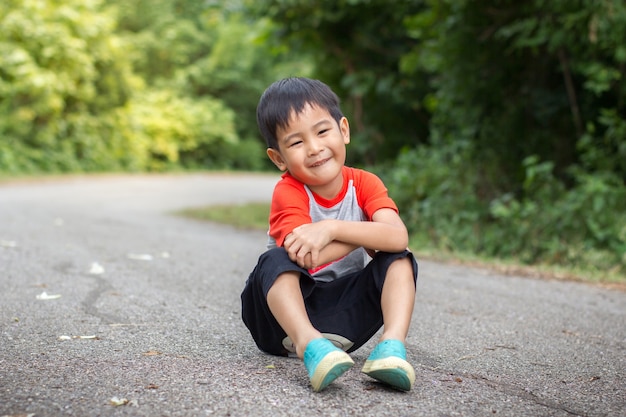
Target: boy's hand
(305, 242)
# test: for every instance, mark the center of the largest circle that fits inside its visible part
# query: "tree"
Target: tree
(522, 79)
(208, 51)
(109, 85)
(356, 46)
(60, 66)
(529, 123)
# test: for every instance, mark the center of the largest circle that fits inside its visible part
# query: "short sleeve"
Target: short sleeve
(372, 193)
(289, 208)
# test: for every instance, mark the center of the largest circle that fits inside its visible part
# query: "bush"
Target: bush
(440, 196)
(583, 226)
(436, 191)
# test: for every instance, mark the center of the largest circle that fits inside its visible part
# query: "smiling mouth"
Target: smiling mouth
(320, 163)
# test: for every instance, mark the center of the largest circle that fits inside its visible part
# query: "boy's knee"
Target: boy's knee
(403, 268)
(274, 253)
(272, 258)
(406, 261)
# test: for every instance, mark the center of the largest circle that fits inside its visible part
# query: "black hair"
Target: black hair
(291, 95)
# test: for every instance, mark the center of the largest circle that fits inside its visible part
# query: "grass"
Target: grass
(254, 216)
(612, 279)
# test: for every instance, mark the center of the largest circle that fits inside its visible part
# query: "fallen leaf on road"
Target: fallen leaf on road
(151, 353)
(152, 386)
(270, 367)
(96, 269)
(466, 357)
(90, 337)
(140, 256)
(45, 296)
(118, 401)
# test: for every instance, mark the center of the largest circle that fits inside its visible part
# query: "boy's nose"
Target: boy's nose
(315, 147)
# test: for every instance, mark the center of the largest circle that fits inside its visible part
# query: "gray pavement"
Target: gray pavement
(149, 318)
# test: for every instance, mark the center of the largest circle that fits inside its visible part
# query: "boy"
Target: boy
(315, 292)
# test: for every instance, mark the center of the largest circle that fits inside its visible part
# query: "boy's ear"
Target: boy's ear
(344, 127)
(277, 159)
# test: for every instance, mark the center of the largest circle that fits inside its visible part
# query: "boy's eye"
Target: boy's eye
(294, 143)
(323, 131)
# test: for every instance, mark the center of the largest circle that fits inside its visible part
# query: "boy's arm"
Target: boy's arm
(315, 244)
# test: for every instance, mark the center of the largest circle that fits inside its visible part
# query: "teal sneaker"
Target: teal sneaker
(325, 362)
(387, 363)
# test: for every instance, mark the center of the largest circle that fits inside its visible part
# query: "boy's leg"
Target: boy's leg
(397, 300)
(324, 361)
(273, 307)
(387, 362)
(286, 303)
(256, 314)
(350, 306)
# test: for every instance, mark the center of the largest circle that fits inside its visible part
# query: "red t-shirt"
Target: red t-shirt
(362, 194)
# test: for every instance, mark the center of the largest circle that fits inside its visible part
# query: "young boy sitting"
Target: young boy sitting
(337, 266)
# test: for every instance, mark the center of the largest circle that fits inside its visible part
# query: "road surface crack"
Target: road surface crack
(89, 303)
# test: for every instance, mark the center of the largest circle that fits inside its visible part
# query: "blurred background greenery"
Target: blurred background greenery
(499, 126)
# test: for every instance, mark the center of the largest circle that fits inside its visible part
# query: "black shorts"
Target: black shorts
(346, 310)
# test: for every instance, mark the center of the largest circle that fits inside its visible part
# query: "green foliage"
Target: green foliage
(236, 68)
(60, 65)
(530, 96)
(243, 216)
(172, 130)
(207, 51)
(438, 190)
(525, 78)
(584, 225)
(115, 85)
(356, 46)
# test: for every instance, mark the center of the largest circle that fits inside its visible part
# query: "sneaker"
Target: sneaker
(387, 363)
(337, 340)
(325, 362)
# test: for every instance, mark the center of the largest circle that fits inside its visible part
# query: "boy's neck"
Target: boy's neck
(329, 191)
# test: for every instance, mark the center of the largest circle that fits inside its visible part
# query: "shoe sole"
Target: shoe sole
(337, 340)
(330, 368)
(393, 371)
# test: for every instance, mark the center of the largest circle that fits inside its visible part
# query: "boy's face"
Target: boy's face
(313, 149)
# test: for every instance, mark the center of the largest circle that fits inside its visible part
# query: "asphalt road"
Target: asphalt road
(112, 306)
